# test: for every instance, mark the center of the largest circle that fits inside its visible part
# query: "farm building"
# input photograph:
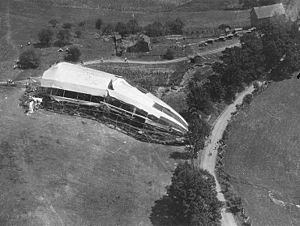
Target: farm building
(263, 15)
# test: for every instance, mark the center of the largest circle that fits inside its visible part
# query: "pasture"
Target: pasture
(57, 169)
(263, 155)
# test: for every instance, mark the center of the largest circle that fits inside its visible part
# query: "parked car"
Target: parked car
(209, 41)
(222, 38)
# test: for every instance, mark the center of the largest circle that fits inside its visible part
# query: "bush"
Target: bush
(63, 37)
(53, 22)
(133, 26)
(29, 59)
(169, 55)
(73, 54)
(175, 27)
(78, 34)
(45, 36)
(98, 24)
(247, 99)
(81, 24)
(121, 28)
(108, 29)
(67, 25)
(155, 29)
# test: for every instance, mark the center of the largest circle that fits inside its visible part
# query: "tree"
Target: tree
(133, 26)
(175, 27)
(78, 34)
(53, 22)
(247, 99)
(223, 27)
(198, 131)
(45, 36)
(63, 37)
(29, 59)
(267, 2)
(67, 25)
(121, 28)
(253, 3)
(81, 24)
(98, 24)
(155, 29)
(169, 55)
(215, 88)
(73, 54)
(191, 199)
(280, 48)
(198, 98)
(108, 29)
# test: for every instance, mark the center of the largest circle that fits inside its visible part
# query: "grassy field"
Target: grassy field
(196, 5)
(263, 155)
(58, 169)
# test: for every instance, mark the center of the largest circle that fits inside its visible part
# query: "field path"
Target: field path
(207, 159)
(120, 60)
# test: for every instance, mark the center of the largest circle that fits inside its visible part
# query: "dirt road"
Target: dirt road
(120, 60)
(208, 156)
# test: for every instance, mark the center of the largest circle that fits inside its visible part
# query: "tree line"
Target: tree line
(271, 53)
(247, 4)
(132, 27)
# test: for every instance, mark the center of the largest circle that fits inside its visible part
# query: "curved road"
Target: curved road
(119, 60)
(208, 156)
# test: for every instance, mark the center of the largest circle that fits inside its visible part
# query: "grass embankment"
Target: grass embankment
(263, 155)
(57, 169)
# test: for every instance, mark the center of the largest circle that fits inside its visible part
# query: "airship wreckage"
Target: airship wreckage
(110, 99)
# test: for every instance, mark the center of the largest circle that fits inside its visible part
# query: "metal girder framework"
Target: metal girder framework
(116, 118)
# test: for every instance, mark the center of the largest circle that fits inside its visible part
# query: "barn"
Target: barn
(263, 15)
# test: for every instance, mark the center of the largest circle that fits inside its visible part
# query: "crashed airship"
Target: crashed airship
(71, 87)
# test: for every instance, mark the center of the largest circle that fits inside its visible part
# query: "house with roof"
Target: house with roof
(263, 15)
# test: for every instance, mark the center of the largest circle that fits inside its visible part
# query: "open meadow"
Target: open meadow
(63, 170)
(263, 155)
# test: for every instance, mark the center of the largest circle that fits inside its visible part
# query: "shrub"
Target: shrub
(45, 36)
(247, 99)
(78, 34)
(81, 24)
(29, 59)
(155, 29)
(169, 55)
(175, 27)
(108, 29)
(73, 54)
(63, 37)
(53, 22)
(67, 25)
(98, 24)
(121, 28)
(133, 26)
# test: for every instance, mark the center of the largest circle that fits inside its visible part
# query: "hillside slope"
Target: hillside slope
(62, 170)
(263, 155)
(203, 5)
(116, 4)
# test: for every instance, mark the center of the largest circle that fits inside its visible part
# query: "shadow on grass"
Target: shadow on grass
(160, 212)
(180, 155)
(40, 45)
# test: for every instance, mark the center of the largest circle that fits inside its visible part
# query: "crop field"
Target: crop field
(263, 155)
